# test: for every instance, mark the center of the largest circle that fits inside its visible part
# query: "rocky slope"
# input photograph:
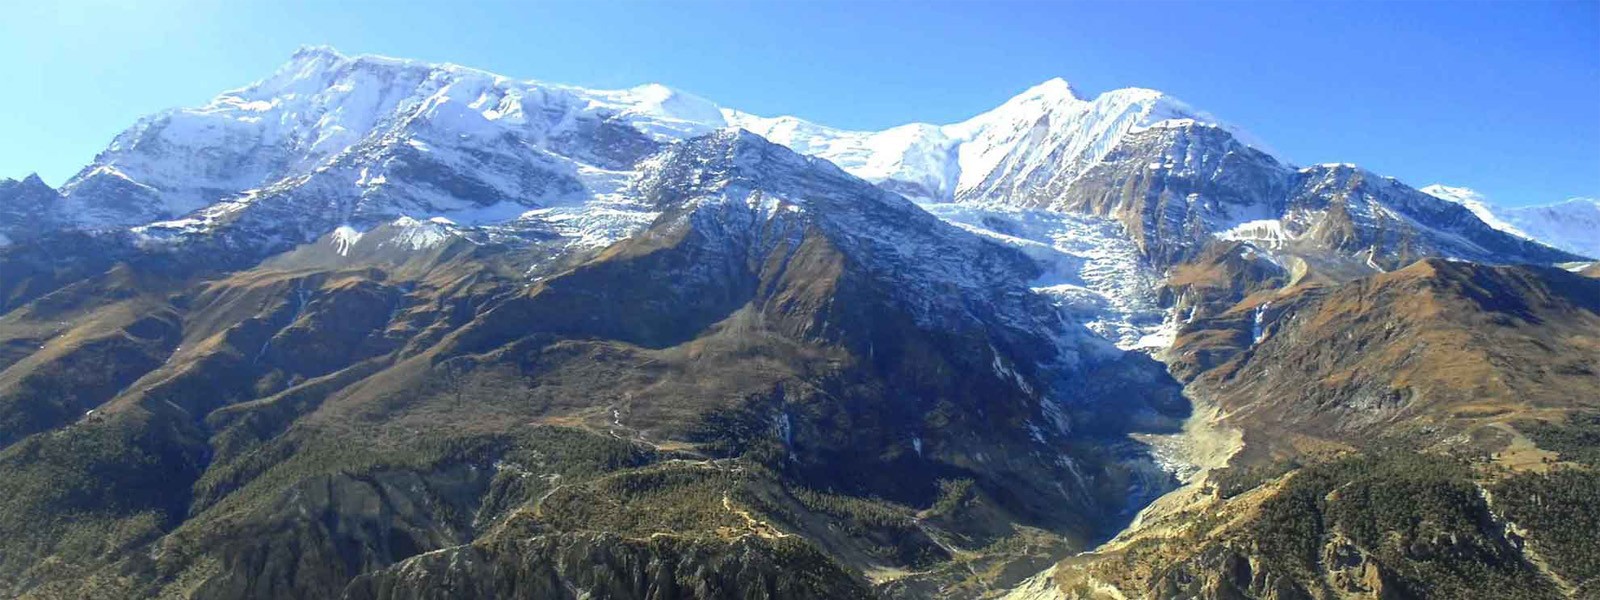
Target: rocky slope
(330, 140)
(1396, 430)
(748, 368)
(377, 328)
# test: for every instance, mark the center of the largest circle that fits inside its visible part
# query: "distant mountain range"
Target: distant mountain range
(379, 328)
(1570, 225)
(371, 139)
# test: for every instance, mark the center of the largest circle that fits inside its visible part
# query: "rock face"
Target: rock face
(1176, 186)
(376, 328)
(1431, 346)
(330, 140)
(27, 208)
(785, 353)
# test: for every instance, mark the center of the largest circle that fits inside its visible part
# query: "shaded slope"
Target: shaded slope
(789, 362)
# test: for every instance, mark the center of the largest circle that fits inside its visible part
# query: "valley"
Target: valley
(381, 328)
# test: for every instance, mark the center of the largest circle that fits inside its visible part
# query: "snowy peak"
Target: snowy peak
(1459, 195)
(321, 107)
(1020, 153)
(329, 139)
(1475, 202)
(314, 51)
(732, 162)
(1054, 95)
(1570, 225)
(914, 160)
(1574, 204)
(1055, 87)
(1031, 148)
(656, 101)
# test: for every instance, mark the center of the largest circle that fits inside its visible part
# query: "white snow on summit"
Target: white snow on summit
(377, 123)
(1045, 135)
(1572, 225)
(389, 115)
(336, 144)
(1474, 202)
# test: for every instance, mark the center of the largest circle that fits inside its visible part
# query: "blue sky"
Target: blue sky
(1502, 97)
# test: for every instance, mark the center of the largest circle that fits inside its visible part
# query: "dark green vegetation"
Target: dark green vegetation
(1556, 510)
(1389, 525)
(1419, 518)
(1576, 440)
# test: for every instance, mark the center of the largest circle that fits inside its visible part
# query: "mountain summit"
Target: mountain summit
(1044, 137)
(1570, 225)
(330, 140)
(372, 328)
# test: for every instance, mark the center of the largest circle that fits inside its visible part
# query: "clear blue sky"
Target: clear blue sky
(1503, 97)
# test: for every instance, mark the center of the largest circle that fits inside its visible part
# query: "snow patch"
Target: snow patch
(1269, 231)
(419, 235)
(344, 238)
(1257, 323)
(1005, 372)
(1573, 225)
(1091, 269)
(1475, 202)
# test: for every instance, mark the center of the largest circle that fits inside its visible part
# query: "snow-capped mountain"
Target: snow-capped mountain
(1572, 225)
(1042, 139)
(331, 141)
(372, 324)
(375, 138)
(1172, 176)
(851, 331)
(385, 113)
(1106, 193)
(1475, 202)
(736, 189)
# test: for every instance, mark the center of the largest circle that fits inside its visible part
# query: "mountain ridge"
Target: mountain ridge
(371, 327)
(413, 139)
(1569, 224)
(780, 332)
